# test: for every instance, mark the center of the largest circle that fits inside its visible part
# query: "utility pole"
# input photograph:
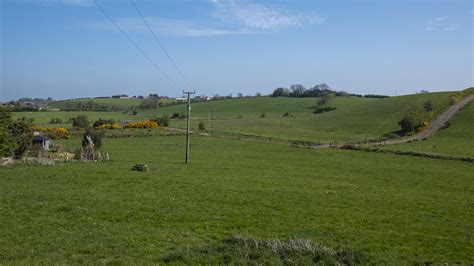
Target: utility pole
(188, 123)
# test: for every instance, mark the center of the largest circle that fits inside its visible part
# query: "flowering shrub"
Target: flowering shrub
(142, 124)
(37, 128)
(109, 126)
(54, 133)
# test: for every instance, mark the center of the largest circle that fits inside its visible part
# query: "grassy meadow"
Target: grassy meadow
(354, 119)
(43, 118)
(386, 208)
(111, 102)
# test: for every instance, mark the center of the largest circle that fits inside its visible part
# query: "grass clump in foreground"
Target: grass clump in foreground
(248, 250)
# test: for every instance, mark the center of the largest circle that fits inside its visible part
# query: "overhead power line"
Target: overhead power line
(160, 44)
(133, 43)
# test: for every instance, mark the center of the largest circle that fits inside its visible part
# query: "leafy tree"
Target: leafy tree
(411, 122)
(96, 137)
(201, 126)
(80, 121)
(297, 90)
(21, 136)
(325, 99)
(281, 92)
(151, 102)
(5, 138)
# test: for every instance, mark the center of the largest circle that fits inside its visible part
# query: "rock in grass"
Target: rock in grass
(140, 167)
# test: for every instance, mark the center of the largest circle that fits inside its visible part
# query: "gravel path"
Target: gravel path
(438, 123)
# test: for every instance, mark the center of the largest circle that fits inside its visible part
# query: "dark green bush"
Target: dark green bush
(324, 109)
(80, 121)
(411, 122)
(201, 126)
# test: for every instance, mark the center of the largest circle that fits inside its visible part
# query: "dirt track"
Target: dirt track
(438, 123)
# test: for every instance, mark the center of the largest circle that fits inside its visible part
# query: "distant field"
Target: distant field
(392, 209)
(43, 118)
(110, 102)
(122, 103)
(355, 118)
(457, 139)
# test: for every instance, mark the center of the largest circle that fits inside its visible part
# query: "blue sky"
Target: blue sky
(68, 48)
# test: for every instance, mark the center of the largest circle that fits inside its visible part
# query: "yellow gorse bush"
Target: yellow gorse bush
(54, 133)
(109, 126)
(142, 124)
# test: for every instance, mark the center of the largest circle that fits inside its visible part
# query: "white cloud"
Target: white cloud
(261, 17)
(226, 18)
(168, 27)
(441, 23)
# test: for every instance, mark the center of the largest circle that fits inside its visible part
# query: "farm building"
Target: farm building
(42, 142)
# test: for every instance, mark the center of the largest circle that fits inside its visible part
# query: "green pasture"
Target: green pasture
(44, 117)
(389, 209)
(354, 119)
(121, 103)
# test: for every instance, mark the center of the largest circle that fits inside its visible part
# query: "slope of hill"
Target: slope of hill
(109, 102)
(354, 119)
(457, 139)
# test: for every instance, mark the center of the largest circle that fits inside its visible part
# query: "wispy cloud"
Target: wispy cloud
(261, 17)
(224, 18)
(441, 23)
(168, 27)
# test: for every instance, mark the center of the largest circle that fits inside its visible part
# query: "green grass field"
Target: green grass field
(43, 118)
(354, 119)
(121, 103)
(391, 209)
(457, 139)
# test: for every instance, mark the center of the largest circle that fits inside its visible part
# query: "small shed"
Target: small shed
(42, 142)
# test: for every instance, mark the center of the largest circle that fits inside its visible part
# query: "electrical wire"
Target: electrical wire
(133, 43)
(160, 44)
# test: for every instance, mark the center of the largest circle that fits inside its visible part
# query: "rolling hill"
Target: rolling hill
(354, 119)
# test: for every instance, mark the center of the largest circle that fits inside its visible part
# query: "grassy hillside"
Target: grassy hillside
(43, 118)
(354, 119)
(457, 139)
(390, 209)
(121, 103)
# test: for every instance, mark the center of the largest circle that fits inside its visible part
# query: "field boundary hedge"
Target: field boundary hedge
(410, 153)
